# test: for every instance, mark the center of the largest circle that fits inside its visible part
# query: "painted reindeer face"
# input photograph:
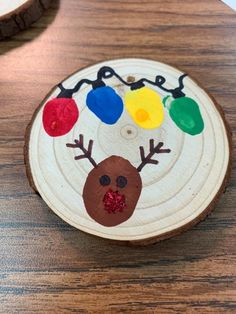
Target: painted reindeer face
(113, 187)
(111, 191)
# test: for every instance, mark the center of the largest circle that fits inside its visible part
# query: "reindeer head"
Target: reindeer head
(113, 186)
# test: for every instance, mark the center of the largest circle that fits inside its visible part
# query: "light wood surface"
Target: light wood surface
(166, 206)
(46, 266)
(10, 6)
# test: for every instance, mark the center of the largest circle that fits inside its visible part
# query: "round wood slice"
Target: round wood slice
(176, 193)
(16, 15)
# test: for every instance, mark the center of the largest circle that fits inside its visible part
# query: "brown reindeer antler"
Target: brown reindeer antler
(87, 152)
(153, 150)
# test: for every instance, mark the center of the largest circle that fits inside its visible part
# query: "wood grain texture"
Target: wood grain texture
(203, 162)
(46, 266)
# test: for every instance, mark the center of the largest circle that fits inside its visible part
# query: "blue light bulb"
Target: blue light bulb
(105, 103)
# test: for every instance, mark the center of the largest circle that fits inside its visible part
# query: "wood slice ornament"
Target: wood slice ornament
(130, 150)
(16, 15)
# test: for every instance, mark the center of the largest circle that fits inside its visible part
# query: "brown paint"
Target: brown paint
(94, 192)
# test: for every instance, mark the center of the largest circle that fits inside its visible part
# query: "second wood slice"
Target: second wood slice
(129, 150)
(17, 15)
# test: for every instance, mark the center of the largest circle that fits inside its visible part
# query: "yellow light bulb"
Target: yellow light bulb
(145, 107)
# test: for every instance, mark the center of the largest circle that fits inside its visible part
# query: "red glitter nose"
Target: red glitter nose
(114, 202)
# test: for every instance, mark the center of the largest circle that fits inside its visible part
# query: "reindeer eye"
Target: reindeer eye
(104, 180)
(121, 181)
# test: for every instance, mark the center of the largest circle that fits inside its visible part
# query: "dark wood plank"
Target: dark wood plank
(46, 266)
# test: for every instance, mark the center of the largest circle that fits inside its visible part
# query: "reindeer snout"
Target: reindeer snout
(114, 201)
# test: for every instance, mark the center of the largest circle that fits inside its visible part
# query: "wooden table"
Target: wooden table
(46, 266)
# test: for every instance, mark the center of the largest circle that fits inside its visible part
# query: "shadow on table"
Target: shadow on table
(33, 31)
